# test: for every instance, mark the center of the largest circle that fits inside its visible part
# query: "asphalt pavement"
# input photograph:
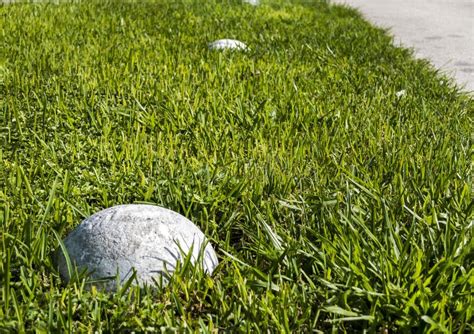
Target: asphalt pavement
(441, 31)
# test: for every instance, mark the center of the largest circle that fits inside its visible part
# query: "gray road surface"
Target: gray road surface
(439, 30)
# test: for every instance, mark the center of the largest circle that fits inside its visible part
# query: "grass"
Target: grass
(333, 202)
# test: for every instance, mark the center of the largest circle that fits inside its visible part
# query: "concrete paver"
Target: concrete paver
(439, 30)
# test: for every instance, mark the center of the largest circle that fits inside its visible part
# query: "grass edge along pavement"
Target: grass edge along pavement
(332, 201)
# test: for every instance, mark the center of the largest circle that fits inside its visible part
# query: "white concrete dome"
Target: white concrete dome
(142, 237)
(228, 44)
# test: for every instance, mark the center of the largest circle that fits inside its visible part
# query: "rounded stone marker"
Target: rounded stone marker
(135, 236)
(227, 44)
(252, 2)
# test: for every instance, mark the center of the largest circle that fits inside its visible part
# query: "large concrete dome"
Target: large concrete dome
(142, 237)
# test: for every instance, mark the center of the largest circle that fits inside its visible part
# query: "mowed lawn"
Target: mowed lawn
(330, 170)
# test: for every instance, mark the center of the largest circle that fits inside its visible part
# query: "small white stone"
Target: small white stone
(401, 93)
(139, 237)
(252, 2)
(227, 44)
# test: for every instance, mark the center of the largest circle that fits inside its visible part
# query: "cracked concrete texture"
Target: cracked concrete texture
(439, 30)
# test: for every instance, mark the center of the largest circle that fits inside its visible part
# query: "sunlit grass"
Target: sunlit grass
(333, 202)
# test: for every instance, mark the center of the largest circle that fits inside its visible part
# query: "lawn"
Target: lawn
(331, 171)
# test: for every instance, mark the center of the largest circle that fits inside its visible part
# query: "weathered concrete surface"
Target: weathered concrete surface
(439, 30)
(144, 238)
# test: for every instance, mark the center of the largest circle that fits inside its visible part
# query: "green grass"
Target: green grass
(333, 204)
